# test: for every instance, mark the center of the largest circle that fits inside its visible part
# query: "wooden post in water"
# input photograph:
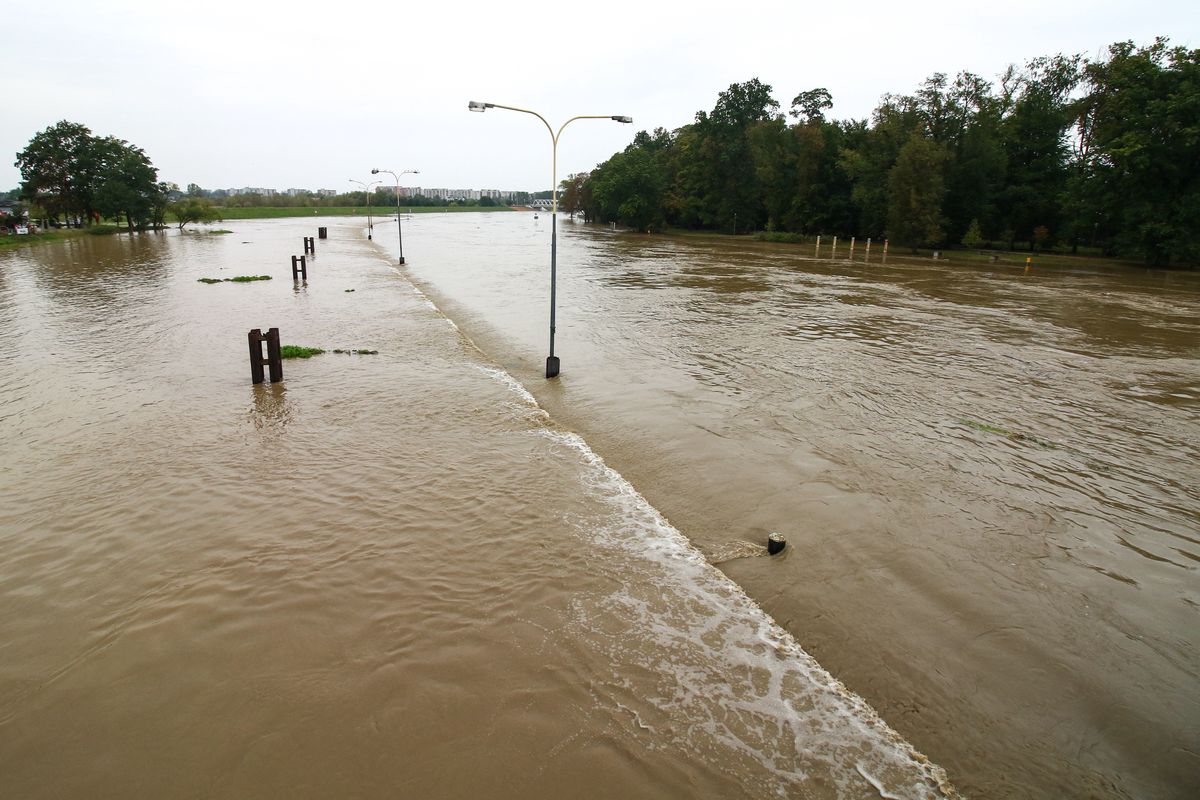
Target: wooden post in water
(273, 359)
(274, 356)
(885, 245)
(852, 248)
(323, 233)
(310, 245)
(867, 257)
(300, 268)
(833, 250)
(818, 253)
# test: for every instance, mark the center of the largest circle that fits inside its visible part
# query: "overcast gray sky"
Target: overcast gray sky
(298, 94)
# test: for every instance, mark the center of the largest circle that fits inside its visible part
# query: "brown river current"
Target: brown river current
(432, 573)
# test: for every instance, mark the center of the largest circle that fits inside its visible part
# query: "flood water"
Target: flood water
(432, 573)
(391, 575)
(988, 476)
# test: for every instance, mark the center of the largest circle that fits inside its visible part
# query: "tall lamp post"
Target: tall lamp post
(399, 232)
(475, 105)
(368, 187)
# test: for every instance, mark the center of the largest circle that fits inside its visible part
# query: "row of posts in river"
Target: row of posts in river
(273, 359)
(866, 256)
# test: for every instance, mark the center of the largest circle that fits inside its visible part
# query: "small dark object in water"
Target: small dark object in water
(776, 543)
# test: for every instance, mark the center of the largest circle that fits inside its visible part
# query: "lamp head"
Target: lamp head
(626, 120)
(374, 172)
(475, 105)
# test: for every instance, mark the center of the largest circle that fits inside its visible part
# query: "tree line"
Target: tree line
(68, 171)
(1064, 153)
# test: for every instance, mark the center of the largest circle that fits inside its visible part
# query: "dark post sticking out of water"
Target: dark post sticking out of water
(299, 268)
(776, 543)
(273, 359)
(310, 245)
(322, 233)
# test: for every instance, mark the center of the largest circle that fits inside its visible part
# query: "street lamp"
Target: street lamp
(372, 185)
(399, 232)
(475, 105)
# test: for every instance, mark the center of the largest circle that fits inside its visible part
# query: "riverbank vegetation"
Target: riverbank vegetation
(1065, 154)
(68, 172)
(296, 351)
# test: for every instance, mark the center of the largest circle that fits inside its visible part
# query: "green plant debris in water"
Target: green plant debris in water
(363, 352)
(1016, 437)
(295, 351)
(238, 279)
(348, 290)
(219, 230)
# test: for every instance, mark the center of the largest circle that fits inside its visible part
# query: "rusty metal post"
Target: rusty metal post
(310, 245)
(256, 359)
(299, 268)
(323, 233)
(274, 357)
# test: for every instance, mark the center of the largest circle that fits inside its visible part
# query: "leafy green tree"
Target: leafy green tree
(67, 170)
(127, 182)
(811, 106)
(55, 169)
(572, 195)
(193, 209)
(973, 238)
(1141, 120)
(628, 189)
(1035, 145)
(915, 191)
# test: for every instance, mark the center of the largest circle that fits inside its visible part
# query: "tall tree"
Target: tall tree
(915, 192)
(1141, 126)
(56, 170)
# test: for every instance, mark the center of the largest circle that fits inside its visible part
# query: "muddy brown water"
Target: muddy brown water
(430, 572)
(391, 575)
(990, 477)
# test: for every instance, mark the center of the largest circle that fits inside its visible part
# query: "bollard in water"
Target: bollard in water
(775, 544)
(310, 245)
(299, 268)
(273, 360)
(322, 233)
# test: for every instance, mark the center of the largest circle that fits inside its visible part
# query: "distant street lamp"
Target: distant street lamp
(372, 185)
(474, 105)
(399, 232)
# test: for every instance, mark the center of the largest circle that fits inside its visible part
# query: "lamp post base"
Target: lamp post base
(401, 260)
(552, 367)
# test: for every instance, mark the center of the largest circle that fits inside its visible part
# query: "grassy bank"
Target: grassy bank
(39, 238)
(271, 212)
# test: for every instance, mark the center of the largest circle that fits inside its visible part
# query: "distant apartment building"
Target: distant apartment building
(327, 192)
(451, 194)
(298, 192)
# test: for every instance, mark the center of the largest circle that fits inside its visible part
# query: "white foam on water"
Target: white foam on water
(708, 634)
